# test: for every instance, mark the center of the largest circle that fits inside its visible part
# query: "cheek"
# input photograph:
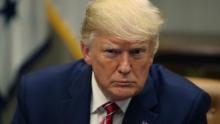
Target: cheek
(104, 68)
(142, 74)
(104, 65)
(142, 70)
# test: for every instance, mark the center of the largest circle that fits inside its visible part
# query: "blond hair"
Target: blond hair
(137, 20)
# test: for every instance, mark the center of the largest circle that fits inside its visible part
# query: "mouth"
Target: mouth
(123, 83)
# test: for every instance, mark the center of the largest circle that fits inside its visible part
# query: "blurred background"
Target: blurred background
(36, 34)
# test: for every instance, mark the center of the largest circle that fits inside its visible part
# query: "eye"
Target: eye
(137, 52)
(112, 52)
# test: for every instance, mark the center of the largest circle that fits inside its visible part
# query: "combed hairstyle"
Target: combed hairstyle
(134, 20)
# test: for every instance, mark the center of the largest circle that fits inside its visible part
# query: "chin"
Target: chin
(120, 95)
(119, 98)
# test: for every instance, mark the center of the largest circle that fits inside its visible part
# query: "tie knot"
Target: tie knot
(110, 107)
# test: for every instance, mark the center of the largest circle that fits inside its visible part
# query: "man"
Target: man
(116, 82)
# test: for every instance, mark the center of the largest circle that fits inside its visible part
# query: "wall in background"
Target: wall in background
(190, 16)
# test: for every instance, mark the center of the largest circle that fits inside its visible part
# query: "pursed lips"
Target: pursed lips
(123, 83)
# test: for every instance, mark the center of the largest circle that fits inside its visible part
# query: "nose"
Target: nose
(124, 64)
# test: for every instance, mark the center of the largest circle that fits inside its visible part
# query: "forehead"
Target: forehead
(114, 41)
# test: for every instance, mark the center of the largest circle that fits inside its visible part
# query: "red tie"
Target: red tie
(110, 108)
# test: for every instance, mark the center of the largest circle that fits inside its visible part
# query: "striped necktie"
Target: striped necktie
(111, 108)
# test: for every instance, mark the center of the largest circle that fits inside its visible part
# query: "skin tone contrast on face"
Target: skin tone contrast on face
(120, 66)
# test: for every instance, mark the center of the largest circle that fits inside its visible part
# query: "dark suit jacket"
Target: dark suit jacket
(61, 95)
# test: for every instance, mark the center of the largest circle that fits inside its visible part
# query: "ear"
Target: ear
(151, 60)
(86, 53)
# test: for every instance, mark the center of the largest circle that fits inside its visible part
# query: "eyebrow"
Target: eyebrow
(142, 46)
(110, 46)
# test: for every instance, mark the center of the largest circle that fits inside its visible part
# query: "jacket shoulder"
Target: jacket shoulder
(168, 79)
(56, 73)
(53, 80)
(176, 92)
(175, 88)
(41, 93)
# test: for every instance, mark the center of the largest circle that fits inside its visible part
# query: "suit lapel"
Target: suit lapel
(143, 107)
(76, 108)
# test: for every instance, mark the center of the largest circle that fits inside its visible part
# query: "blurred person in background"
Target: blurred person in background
(116, 81)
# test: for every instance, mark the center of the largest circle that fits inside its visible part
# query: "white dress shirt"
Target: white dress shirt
(98, 99)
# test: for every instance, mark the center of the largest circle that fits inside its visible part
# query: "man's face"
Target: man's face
(120, 66)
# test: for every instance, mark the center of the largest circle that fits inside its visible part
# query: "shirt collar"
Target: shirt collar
(98, 98)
